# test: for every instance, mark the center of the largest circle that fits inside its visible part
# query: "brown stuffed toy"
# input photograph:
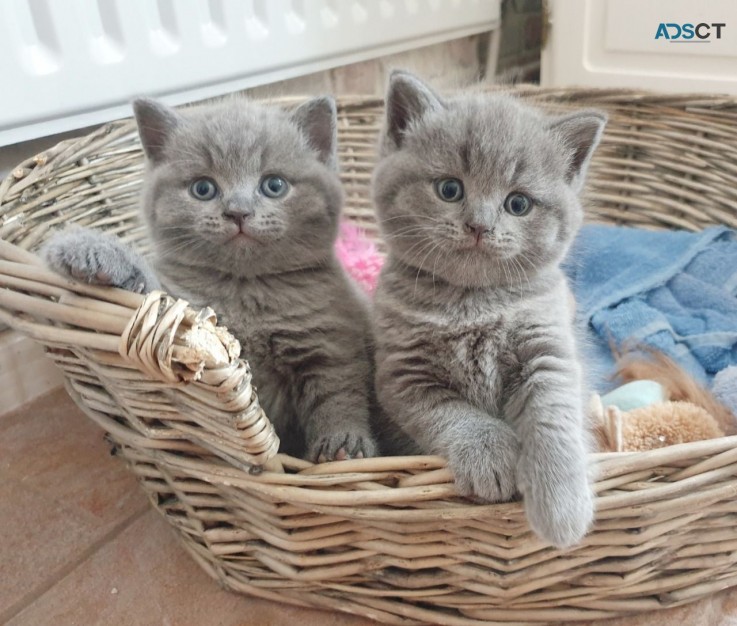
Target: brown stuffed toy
(654, 426)
(691, 414)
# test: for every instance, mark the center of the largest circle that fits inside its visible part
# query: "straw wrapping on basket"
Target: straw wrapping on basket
(172, 343)
(181, 347)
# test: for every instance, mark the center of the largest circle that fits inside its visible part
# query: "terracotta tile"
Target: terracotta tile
(40, 539)
(52, 447)
(60, 495)
(729, 608)
(145, 577)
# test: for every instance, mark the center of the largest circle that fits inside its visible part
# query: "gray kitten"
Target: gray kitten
(242, 203)
(476, 357)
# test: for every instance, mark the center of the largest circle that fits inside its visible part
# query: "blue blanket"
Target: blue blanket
(675, 291)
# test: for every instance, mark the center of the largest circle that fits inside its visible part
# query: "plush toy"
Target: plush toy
(644, 363)
(634, 395)
(359, 256)
(660, 405)
(654, 426)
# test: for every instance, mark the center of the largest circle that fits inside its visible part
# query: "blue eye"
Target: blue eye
(517, 204)
(449, 189)
(203, 189)
(274, 186)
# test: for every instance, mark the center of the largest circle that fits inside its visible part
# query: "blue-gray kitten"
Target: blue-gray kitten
(475, 351)
(242, 204)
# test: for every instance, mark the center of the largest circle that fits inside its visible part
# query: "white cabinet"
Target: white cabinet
(621, 43)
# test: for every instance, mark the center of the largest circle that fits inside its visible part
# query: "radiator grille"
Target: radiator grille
(71, 63)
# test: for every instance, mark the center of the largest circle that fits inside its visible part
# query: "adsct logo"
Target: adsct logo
(689, 33)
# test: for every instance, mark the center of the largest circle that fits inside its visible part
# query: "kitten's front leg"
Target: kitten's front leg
(547, 412)
(99, 259)
(338, 433)
(334, 411)
(482, 451)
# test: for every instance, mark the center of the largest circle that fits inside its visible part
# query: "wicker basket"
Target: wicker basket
(386, 538)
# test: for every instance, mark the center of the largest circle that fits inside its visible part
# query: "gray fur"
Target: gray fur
(266, 265)
(98, 258)
(476, 356)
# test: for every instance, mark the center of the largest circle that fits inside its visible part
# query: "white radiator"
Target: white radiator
(72, 63)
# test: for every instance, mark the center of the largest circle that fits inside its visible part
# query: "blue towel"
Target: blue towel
(672, 290)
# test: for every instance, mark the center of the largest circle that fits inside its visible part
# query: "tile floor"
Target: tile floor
(81, 547)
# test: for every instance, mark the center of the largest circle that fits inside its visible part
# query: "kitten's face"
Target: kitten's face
(246, 188)
(479, 190)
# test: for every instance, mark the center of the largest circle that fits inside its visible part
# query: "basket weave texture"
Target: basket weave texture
(386, 538)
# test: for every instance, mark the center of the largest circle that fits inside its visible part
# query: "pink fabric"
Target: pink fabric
(359, 256)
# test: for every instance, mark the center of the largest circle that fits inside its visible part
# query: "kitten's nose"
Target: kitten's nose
(476, 228)
(238, 213)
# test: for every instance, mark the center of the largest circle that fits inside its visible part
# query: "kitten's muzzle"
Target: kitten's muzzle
(240, 216)
(477, 230)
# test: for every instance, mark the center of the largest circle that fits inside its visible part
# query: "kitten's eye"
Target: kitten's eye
(274, 186)
(449, 189)
(517, 204)
(204, 189)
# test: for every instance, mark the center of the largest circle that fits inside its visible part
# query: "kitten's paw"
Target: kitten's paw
(342, 445)
(559, 502)
(485, 465)
(94, 258)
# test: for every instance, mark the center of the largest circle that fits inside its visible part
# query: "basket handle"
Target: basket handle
(162, 337)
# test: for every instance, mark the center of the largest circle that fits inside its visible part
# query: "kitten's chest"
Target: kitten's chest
(474, 352)
(253, 318)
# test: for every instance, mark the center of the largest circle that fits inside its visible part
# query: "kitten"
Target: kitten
(475, 353)
(242, 203)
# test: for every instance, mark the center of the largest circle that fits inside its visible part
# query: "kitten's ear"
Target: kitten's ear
(579, 133)
(156, 122)
(407, 100)
(318, 120)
